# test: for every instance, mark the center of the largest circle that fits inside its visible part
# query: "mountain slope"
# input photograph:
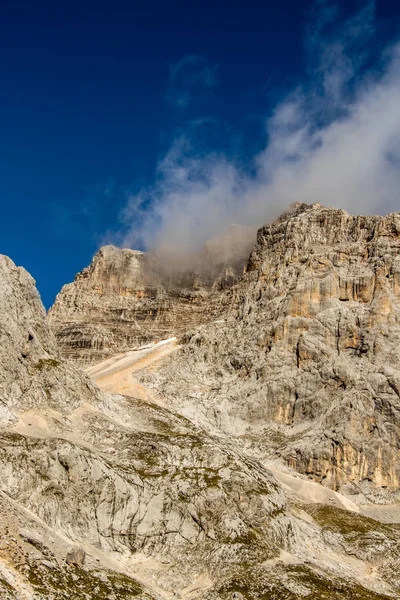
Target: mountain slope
(305, 366)
(166, 492)
(127, 298)
(114, 497)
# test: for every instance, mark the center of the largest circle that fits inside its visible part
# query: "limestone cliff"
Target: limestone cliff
(84, 472)
(306, 365)
(108, 497)
(127, 298)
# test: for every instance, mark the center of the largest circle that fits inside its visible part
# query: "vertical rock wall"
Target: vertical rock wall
(306, 365)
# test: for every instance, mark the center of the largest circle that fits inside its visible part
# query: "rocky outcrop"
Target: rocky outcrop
(127, 298)
(113, 475)
(111, 497)
(32, 373)
(306, 365)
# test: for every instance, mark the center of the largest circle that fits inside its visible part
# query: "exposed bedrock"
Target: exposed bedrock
(107, 496)
(306, 365)
(126, 298)
(114, 475)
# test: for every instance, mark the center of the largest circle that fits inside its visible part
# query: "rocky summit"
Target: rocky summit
(231, 437)
(305, 365)
(127, 298)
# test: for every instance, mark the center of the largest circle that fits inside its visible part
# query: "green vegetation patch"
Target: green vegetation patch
(349, 523)
(44, 363)
(292, 583)
(6, 591)
(83, 585)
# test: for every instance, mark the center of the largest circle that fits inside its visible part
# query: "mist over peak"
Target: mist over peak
(332, 139)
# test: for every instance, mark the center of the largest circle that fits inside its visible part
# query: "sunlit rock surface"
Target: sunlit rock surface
(127, 298)
(305, 366)
(255, 456)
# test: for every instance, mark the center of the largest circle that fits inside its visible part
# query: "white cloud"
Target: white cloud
(334, 140)
(190, 77)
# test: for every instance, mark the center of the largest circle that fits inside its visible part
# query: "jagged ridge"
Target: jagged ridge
(306, 366)
(127, 298)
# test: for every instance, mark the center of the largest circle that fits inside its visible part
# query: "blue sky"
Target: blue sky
(95, 96)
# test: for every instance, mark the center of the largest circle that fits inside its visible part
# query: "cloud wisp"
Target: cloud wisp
(335, 139)
(190, 77)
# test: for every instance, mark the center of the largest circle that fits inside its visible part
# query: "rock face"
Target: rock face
(84, 472)
(32, 374)
(306, 365)
(114, 497)
(127, 298)
(167, 492)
